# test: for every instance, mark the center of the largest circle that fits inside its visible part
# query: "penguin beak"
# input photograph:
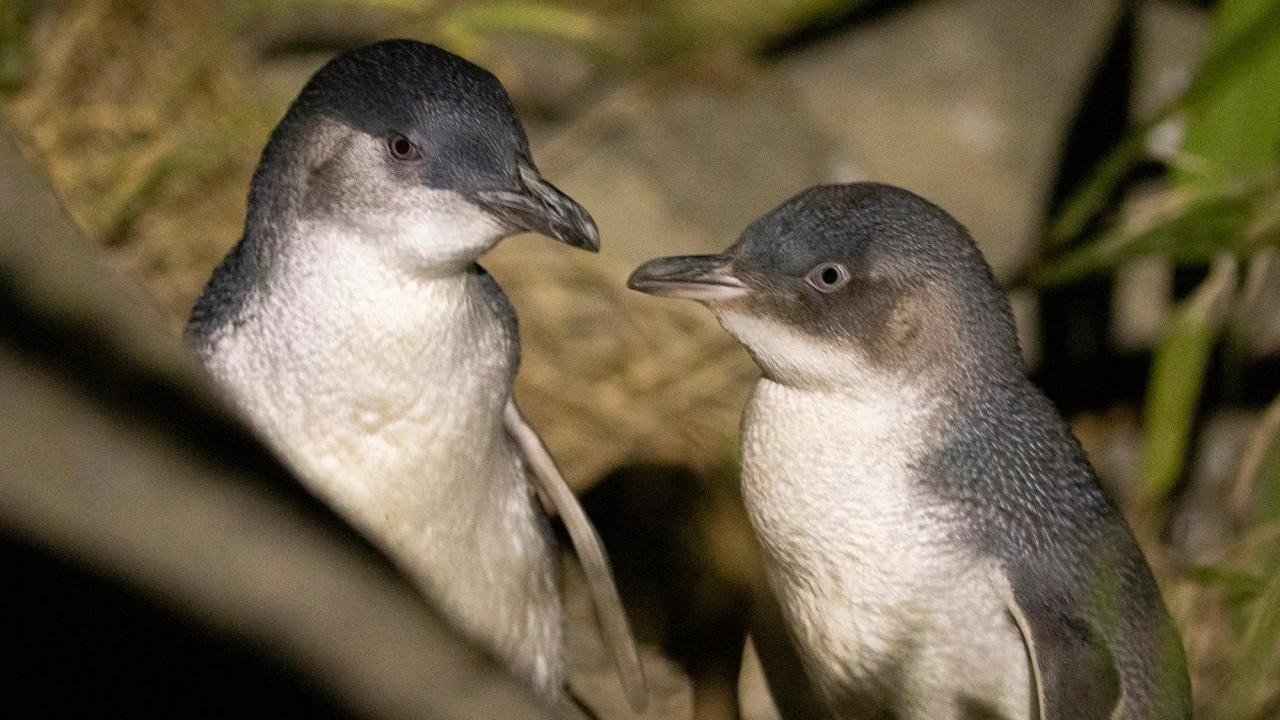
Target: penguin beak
(539, 207)
(705, 278)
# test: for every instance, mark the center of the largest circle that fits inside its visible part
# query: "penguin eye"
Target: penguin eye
(403, 149)
(828, 277)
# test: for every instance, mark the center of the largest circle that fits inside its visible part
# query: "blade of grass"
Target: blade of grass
(1257, 657)
(1238, 585)
(407, 5)
(541, 18)
(1258, 477)
(1190, 224)
(1177, 374)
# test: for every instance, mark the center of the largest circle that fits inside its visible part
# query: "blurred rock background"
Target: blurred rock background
(1118, 162)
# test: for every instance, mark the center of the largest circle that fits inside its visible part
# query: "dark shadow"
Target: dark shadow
(789, 685)
(1079, 369)
(974, 709)
(832, 23)
(81, 645)
(653, 521)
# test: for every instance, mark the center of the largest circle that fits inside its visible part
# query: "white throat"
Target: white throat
(789, 356)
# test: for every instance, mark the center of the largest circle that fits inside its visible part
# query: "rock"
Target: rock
(973, 123)
(962, 102)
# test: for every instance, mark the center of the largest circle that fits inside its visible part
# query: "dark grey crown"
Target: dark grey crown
(873, 227)
(457, 113)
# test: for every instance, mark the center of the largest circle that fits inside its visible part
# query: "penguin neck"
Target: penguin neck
(934, 375)
(889, 399)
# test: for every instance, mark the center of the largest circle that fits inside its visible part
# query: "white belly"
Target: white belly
(869, 576)
(389, 406)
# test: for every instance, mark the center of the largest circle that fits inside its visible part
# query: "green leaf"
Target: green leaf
(750, 22)
(1238, 585)
(407, 5)
(1092, 197)
(1237, 130)
(1241, 36)
(1177, 374)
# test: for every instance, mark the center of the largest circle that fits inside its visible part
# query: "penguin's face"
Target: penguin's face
(410, 145)
(846, 283)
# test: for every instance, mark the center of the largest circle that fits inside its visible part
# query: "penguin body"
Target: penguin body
(355, 329)
(935, 537)
(422, 461)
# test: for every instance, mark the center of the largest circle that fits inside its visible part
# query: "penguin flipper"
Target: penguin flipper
(591, 554)
(1073, 670)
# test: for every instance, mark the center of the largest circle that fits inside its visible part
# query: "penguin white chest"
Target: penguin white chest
(882, 597)
(386, 394)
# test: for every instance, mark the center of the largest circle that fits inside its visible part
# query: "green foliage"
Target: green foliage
(1184, 223)
(1260, 467)
(1239, 586)
(1244, 52)
(1220, 195)
(1218, 204)
(1254, 653)
(1237, 131)
(1259, 649)
(564, 23)
(684, 27)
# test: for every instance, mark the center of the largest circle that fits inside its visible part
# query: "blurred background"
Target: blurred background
(1118, 163)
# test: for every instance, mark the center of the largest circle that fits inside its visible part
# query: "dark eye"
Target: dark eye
(828, 277)
(402, 148)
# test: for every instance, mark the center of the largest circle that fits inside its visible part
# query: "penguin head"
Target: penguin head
(851, 283)
(410, 145)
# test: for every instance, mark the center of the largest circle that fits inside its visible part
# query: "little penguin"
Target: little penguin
(356, 331)
(938, 543)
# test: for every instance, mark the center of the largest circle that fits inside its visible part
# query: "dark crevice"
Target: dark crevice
(1079, 369)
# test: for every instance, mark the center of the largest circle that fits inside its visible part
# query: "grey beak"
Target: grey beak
(706, 278)
(540, 207)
